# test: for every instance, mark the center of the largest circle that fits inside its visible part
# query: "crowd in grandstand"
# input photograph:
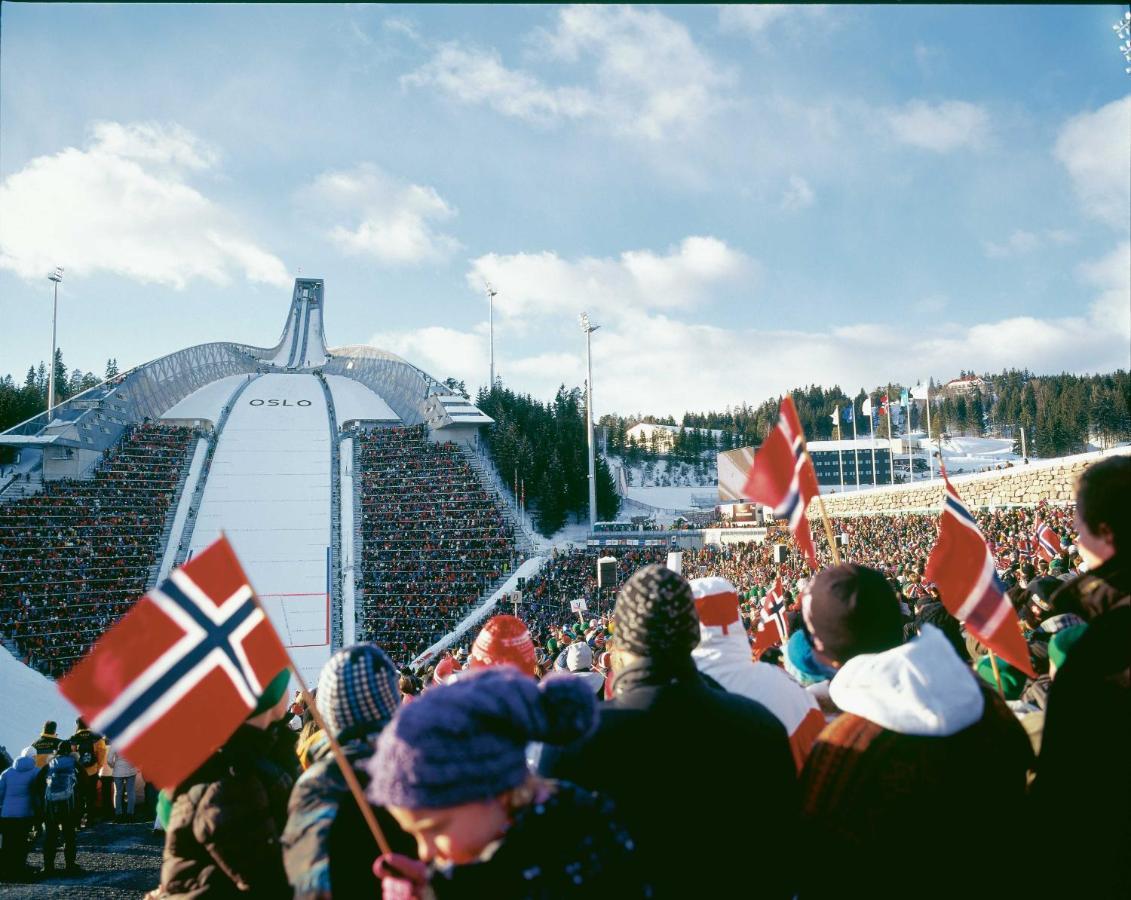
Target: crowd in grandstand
(74, 557)
(433, 539)
(650, 748)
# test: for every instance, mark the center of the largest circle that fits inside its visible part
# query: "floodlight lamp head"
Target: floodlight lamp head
(57, 275)
(584, 320)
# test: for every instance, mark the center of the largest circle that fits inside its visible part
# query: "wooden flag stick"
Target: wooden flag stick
(997, 674)
(344, 765)
(821, 506)
(335, 748)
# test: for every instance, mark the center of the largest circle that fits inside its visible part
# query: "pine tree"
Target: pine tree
(111, 369)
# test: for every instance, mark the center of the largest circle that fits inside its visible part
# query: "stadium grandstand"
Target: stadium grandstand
(123, 482)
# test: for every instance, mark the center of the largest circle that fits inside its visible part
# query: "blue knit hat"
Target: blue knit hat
(466, 741)
(357, 691)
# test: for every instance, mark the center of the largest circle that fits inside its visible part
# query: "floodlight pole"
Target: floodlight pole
(491, 292)
(589, 328)
(55, 277)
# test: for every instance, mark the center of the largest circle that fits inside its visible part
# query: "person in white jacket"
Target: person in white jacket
(724, 655)
(125, 778)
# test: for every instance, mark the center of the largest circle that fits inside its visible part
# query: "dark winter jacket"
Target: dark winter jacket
(60, 775)
(326, 844)
(1082, 772)
(570, 843)
(45, 746)
(685, 763)
(223, 834)
(923, 750)
(16, 789)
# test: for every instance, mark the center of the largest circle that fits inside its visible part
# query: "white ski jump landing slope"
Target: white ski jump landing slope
(353, 400)
(206, 402)
(269, 491)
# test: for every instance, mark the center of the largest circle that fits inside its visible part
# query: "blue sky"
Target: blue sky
(746, 198)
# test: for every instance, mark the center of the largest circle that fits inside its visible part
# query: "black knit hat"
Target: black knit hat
(655, 615)
(852, 609)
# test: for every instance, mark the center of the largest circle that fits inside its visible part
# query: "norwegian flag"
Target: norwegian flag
(175, 677)
(772, 629)
(963, 568)
(783, 477)
(1046, 542)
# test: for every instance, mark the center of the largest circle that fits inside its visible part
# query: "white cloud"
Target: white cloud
(389, 220)
(646, 76)
(941, 127)
(1095, 147)
(122, 205)
(478, 76)
(441, 352)
(799, 195)
(1022, 242)
(660, 360)
(755, 19)
(540, 284)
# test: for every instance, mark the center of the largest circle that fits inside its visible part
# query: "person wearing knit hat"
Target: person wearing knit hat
(666, 725)
(223, 832)
(446, 669)
(451, 768)
(326, 843)
(579, 663)
(504, 640)
(912, 708)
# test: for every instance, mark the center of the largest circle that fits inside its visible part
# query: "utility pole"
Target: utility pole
(589, 328)
(56, 277)
(491, 293)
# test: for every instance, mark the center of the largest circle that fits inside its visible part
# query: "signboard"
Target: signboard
(577, 606)
(733, 467)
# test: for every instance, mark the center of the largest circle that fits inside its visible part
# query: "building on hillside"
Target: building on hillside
(966, 385)
(665, 435)
(828, 455)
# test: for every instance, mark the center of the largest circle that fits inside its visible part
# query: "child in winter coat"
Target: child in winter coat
(451, 769)
(17, 813)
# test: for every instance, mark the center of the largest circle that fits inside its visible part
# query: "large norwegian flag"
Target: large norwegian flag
(963, 568)
(175, 677)
(1046, 542)
(783, 477)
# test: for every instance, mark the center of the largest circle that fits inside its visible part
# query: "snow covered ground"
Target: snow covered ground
(30, 699)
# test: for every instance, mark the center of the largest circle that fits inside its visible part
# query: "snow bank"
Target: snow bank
(30, 699)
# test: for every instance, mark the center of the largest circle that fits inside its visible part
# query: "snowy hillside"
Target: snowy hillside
(30, 699)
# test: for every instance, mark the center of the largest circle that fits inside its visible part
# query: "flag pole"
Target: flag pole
(872, 435)
(335, 748)
(839, 452)
(997, 674)
(821, 506)
(855, 449)
(930, 457)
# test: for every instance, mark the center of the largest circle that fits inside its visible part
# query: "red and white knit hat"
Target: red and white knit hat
(504, 640)
(716, 601)
(445, 669)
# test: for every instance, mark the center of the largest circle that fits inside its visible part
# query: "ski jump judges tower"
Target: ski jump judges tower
(276, 471)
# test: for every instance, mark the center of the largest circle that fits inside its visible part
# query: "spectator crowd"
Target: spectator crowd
(646, 748)
(74, 557)
(433, 539)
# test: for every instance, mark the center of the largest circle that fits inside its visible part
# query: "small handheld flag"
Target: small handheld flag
(783, 477)
(962, 566)
(175, 677)
(1046, 542)
(773, 611)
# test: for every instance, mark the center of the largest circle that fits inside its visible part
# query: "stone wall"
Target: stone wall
(1024, 485)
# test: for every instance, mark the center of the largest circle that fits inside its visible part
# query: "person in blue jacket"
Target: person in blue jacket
(60, 809)
(18, 809)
